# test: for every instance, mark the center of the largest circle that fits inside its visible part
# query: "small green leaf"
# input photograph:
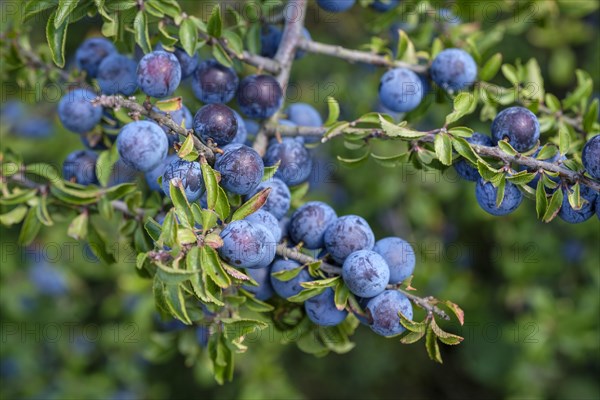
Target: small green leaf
(169, 105)
(411, 337)
(553, 206)
(105, 163)
(321, 283)
(391, 161)
(221, 55)
(458, 312)
(287, 274)
(463, 148)
(445, 337)
(399, 130)
(432, 346)
(510, 73)
(18, 197)
(403, 43)
(341, 295)
(56, 37)
(507, 148)
(30, 228)
(252, 205)
(500, 192)
(209, 259)
(256, 305)
(443, 148)
(140, 26)
(464, 103)
(78, 227)
(333, 111)
(65, 7)
(210, 182)
(552, 102)
(461, 131)
(270, 171)
(14, 216)
(353, 162)
(591, 116)
(564, 140)
(188, 35)
(306, 294)
(491, 67)
(215, 24)
(186, 147)
(176, 303)
(412, 326)
(574, 197)
(182, 207)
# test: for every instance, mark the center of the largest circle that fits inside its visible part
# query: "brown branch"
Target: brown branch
(116, 102)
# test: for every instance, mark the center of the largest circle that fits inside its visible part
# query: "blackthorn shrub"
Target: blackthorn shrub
(399, 256)
(259, 96)
(346, 235)
(519, 126)
(241, 169)
(158, 74)
(322, 311)
(400, 90)
(188, 173)
(309, 222)
(365, 273)
(384, 309)
(486, 194)
(453, 69)
(216, 122)
(142, 145)
(76, 111)
(117, 75)
(214, 82)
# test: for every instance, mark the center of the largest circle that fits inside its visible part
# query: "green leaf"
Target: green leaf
(411, 337)
(234, 42)
(234, 329)
(436, 48)
(341, 295)
(140, 26)
(14, 216)
(443, 148)
(56, 37)
(188, 35)
(574, 197)
(491, 67)
(591, 116)
(541, 202)
(412, 326)
(392, 130)
(432, 346)
(464, 103)
(34, 7)
(552, 102)
(153, 229)
(78, 227)
(255, 305)
(215, 25)
(18, 197)
(456, 310)
(553, 206)
(321, 283)
(507, 148)
(403, 44)
(30, 228)
(353, 162)
(221, 55)
(211, 264)
(208, 218)
(534, 86)
(176, 303)
(270, 171)
(463, 148)
(105, 163)
(252, 205)
(521, 178)
(169, 105)
(222, 207)
(333, 108)
(335, 339)
(488, 173)
(65, 7)
(510, 73)
(210, 182)
(445, 337)
(287, 274)
(461, 131)
(391, 161)
(306, 294)
(500, 192)
(182, 207)
(98, 245)
(546, 152)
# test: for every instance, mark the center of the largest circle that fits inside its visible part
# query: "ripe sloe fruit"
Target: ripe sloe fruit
(384, 5)
(117, 75)
(400, 90)
(268, 220)
(346, 235)
(270, 36)
(262, 276)
(485, 193)
(304, 114)
(278, 202)
(217, 122)
(292, 287)
(81, 165)
(453, 69)
(259, 96)
(90, 54)
(142, 145)
(190, 175)
(399, 256)
(296, 163)
(152, 175)
(76, 111)
(242, 133)
(572, 216)
(321, 309)
(214, 82)
(336, 6)
(519, 126)
(188, 64)
(241, 169)
(247, 245)
(591, 156)
(183, 115)
(309, 222)
(384, 309)
(463, 167)
(365, 273)
(158, 74)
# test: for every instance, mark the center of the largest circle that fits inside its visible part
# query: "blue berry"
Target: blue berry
(296, 163)
(190, 175)
(242, 133)
(464, 168)
(321, 309)
(400, 90)
(365, 273)
(187, 63)
(519, 126)
(158, 74)
(76, 111)
(252, 127)
(399, 256)
(117, 75)
(292, 287)
(48, 279)
(270, 36)
(121, 173)
(453, 69)
(336, 6)
(572, 216)
(80, 166)
(264, 290)
(309, 223)
(591, 156)
(202, 335)
(216, 122)
(384, 5)
(346, 235)
(142, 145)
(304, 114)
(268, 220)
(247, 245)
(384, 310)
(279, 200)
(90, 54)
(259, 96)
(241, 169)
(485, 193)
(214, 82)
(33, 127)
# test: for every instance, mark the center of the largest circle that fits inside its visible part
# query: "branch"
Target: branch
(355, 55)
(146, 110)
(427, 303)
(284, 58)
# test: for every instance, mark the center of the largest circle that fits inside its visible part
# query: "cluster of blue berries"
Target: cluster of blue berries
(368, 267)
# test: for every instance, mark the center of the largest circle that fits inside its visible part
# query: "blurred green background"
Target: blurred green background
(72, 327)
